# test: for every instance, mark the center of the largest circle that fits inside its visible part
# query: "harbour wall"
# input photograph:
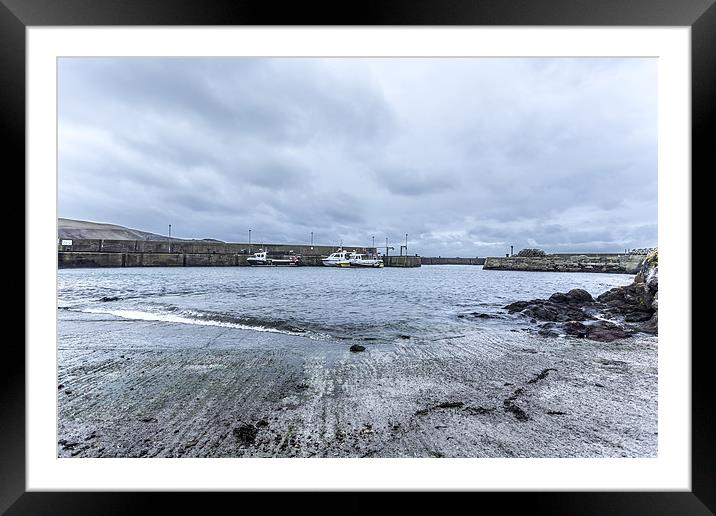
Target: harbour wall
(150, 253)
(612, 262)
(401, 261)
(440, 260)
(197, 247)
(71, 259)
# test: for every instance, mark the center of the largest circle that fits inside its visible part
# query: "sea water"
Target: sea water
(380, 305)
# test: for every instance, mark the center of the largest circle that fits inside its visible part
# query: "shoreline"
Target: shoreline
(158, 389)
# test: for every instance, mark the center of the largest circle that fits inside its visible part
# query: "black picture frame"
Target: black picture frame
(17, 15)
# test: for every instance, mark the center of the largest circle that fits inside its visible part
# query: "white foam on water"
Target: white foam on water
(139, 315)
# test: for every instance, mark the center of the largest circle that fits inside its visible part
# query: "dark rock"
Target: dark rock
(638, 316)
(555, 312)
(519, 414)
(68, 391)
(541, 376)
(576, 296)
(245, 433)
(59, 387)
(109, 298)
(148, 419)
(556, 413)
(478, 315)
(262, 423)
(451, 404)
(579, 296)
(635, 305)
(404, 336)
(518, 306)
(575, 329)
(634, 297)
(652, 325)
(548, 330)
(605, 331)
(355, 348)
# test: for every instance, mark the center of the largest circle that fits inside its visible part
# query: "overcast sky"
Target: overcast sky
(467, 156)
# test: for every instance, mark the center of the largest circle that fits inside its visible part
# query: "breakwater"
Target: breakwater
(95, 245)
(604, 262)
(78, 253)
(441, 260)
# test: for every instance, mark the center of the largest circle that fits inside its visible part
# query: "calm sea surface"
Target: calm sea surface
(320, 302)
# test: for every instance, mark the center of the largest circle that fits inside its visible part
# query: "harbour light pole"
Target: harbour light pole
(249, 241)
(311, 239)
(406, 244)
(170, 230)
(373, 243)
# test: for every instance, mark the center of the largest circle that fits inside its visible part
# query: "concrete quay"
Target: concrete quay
(147, 253)
(442, 260)
(606, 262)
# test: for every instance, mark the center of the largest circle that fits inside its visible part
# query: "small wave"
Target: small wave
(196, 318)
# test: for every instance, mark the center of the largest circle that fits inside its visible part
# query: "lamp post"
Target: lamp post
(249, 241)
(406, 244)
(373, 237)
(311, 240)
(170, 230)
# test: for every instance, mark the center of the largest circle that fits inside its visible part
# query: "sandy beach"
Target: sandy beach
(155, 389)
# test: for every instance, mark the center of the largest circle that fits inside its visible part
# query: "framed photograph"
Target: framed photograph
(413, 250)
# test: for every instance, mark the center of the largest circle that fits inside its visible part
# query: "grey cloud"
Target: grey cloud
(414, 182)
(467, 156)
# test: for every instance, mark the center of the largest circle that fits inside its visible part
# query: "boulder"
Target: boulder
(605, 331)
(546, 310)
(575, 329)
(576, 296)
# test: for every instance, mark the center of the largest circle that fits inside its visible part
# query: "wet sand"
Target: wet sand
(156, 389)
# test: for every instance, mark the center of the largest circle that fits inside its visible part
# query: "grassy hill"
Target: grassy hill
(75, 229)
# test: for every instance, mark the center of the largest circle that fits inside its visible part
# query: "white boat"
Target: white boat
(365, 260)
(259, 258)
(337, 259)
(263, 258)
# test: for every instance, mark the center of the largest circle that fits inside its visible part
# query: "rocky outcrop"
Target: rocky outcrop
(638, 302)
(613, 263)
(559, 307)
(615, 314)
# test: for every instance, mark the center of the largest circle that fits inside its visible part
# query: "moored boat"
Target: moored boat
(263, 258)
(365, 260)
(337, 259)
